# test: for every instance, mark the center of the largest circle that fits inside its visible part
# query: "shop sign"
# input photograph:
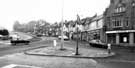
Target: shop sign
(121, 31)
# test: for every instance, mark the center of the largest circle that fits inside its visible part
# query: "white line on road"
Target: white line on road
(10, 66)
(123, 61)
(16, 65)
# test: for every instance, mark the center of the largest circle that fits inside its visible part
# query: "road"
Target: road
(12, 56)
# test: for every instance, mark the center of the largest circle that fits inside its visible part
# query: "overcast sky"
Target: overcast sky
(49, 10)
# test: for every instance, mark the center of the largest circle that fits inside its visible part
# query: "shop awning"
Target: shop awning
(120, 31)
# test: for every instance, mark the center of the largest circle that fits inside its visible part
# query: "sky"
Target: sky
(49, 10)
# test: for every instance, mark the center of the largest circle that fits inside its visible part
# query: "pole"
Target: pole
(77, 53)
(62, 40)
(109, 48)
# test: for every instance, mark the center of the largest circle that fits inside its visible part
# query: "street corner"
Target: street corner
(69, 52)
(104, 55)
(94, 53)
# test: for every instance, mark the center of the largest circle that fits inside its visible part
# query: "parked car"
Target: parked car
(64, 37)
(97, 43)
(39, 35)
(17, 40)
(14, 42)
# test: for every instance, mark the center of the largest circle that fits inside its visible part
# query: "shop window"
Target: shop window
(124, 38)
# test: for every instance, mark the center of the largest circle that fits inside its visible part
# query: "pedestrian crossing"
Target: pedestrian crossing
(19, 66)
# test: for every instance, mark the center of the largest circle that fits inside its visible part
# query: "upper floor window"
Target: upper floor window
(117, 23)
(120, 8)
(133, 4)
(120, 1)
(126, 22)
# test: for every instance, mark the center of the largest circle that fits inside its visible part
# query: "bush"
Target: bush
(4, 32)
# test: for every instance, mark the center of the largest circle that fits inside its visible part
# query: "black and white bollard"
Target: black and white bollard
(109, 48)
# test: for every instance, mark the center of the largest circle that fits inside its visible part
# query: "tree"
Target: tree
(39, 26)
(16, 26)
(4, 32)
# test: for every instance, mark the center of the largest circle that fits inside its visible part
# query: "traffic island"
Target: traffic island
(69, 52)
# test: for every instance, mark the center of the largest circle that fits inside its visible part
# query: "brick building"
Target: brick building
(119, 20)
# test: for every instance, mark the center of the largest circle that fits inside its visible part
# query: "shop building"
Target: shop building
(95, 31)
(119, 20)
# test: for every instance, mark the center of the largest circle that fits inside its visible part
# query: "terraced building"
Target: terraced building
(119, 20)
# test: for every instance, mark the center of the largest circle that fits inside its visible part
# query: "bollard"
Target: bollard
(54, 43)
(109, 48)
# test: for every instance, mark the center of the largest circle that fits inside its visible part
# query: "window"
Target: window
(120, 8)
(123, 9)
(117, 23)
(127, 23)
(133, 3)
(120, 1)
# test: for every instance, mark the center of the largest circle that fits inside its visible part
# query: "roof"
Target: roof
(97, 18)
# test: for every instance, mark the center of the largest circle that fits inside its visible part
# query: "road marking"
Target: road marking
(123, 61)
(10, 66)
(128, 61)
(1, 42)
(16, 65)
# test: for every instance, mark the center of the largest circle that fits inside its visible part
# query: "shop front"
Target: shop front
(84, 36)
(94, 35)
(121, 37)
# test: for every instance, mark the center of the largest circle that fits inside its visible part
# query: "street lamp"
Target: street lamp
(77, 27)
(62, 40)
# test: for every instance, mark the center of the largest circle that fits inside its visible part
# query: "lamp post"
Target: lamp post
(77, 26)
(62, 40)
(77, 53)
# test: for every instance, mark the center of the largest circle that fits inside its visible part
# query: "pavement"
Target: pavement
(69, 52)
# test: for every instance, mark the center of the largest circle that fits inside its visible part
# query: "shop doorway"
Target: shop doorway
(111, 38)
